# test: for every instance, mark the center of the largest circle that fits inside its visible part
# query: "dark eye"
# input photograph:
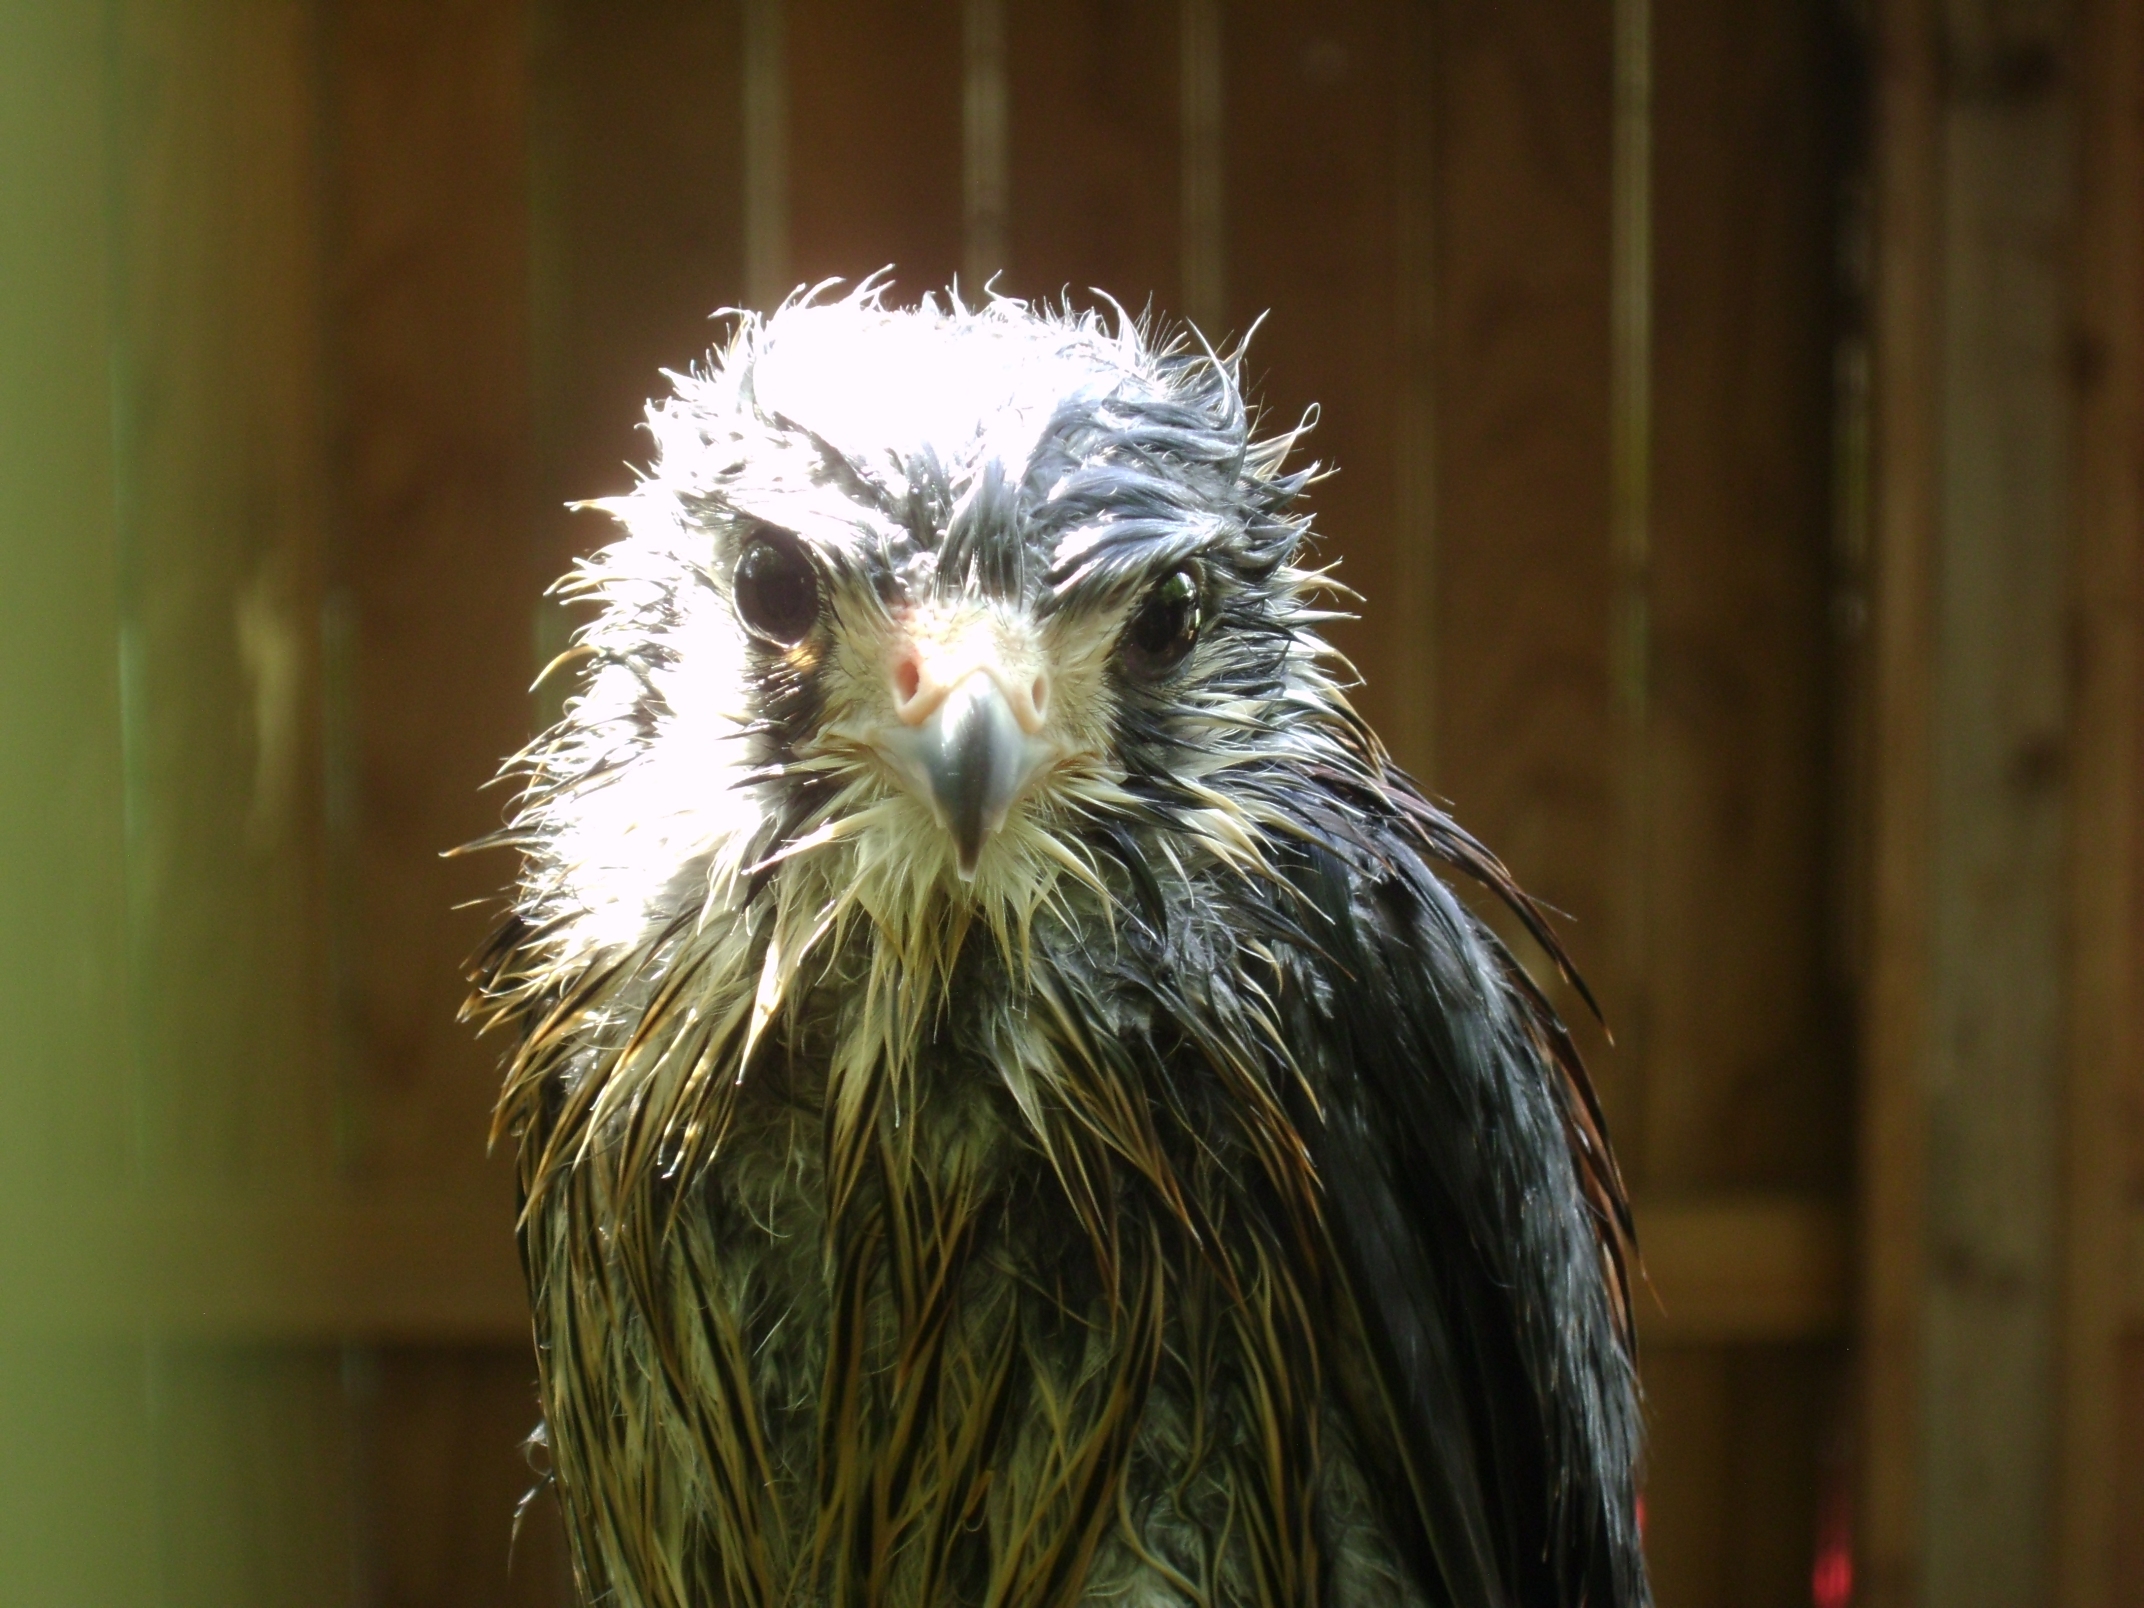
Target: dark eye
(777, 590)
(1164, 629)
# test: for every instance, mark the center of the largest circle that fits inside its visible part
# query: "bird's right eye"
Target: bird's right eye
(777, 590)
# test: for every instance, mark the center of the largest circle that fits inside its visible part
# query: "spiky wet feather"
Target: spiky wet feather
(1197, 1207)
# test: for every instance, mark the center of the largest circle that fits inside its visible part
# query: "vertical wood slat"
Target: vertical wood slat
(1961, 1127)
(1902, 557)
(1994, 1067)
(643, 224)
(874, 142)
(435, 574)
(156, 1473)
(639, 235)
(1202, 147)
(1719, 530)
(218, 424)
(253, 1459)
(1410, 655)
(1521, 108)
(2126, 1413)
(1732, 1474)
(764, 98)
(219, 428)
(1092, 134)
(1745, 1058)
(1313, 241)
(2105, 1088)
(439, 566)
(1627, 974)
(79, 1529)
(985, 189)
(643, 221)
(444, 1472)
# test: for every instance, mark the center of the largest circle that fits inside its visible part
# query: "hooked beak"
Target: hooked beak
(969, 755)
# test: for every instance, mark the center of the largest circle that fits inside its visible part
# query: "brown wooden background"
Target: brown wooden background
(1736, 409)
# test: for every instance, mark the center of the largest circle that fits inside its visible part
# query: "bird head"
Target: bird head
(910, 604)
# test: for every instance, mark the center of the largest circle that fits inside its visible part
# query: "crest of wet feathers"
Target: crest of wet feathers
(1010, 1111)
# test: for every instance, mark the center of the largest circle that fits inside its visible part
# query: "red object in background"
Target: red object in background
(1831, 1575)
(1831, 1582)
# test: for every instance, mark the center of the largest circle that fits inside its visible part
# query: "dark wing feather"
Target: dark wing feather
(1476, 1215)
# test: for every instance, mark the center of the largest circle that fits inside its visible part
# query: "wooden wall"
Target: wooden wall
(2000, 1178)
(1628, 330)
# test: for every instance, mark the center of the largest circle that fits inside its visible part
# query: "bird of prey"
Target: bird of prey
(1011, 1112)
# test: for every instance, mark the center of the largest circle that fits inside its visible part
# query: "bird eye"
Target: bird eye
(777, 591)
(1165, 628)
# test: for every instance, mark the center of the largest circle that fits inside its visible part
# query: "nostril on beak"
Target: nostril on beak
(907, 682)
(1039, 697)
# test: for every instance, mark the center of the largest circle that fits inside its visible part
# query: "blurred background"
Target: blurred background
(1739, 415)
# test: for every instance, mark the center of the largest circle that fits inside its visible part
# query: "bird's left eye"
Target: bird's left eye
(1166, 627)
(777, 590)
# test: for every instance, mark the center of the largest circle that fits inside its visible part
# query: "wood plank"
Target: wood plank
(2128, 1503)
(218, 418)
(1744, 1535)
(204, 1475)
(399, 1261)
(1740, 1315)
(2000, 745)
(985, 142)
(1723, 472)
(1202, 162)
(875, 142)
(763, 94)
(1094, 152)
(1409, 655)
(1631, 360)
(253, 1455)
(2131, 1281)
(1746, 1070)
(1965, 1053)
(637, 237)
(435, 577)
(218, 415)
(1521, 644)
(2106, 746)
(1312, 227)
(1892, 1140)
(408, 1263)
(638, 230)
(1688, 1422)
(441, 1433)
(438, 583)
(1792, 1453)
(1755, 1269)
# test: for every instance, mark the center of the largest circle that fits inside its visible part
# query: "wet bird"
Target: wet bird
(1011, 1111)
